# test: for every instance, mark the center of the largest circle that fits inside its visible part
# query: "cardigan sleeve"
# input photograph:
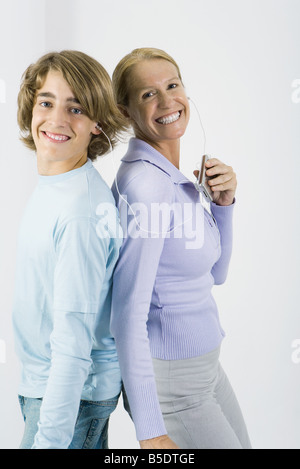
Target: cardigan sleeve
(223, 216)
(133, 283)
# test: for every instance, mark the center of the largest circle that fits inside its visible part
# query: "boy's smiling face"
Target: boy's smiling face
(61, 130)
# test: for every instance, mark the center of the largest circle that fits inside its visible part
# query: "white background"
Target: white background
(239, 60)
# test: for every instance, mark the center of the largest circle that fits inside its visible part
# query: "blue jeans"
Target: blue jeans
(91, 429)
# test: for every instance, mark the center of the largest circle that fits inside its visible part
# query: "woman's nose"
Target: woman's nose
(165, 100)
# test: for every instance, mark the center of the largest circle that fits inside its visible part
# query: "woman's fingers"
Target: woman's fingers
(222, 182)
(222, 177)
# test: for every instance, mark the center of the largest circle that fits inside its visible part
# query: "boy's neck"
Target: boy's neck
(53, 168)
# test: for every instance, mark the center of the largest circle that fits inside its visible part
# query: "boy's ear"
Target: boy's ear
(97, 130)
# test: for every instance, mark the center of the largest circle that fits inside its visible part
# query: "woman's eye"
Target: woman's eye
(173, 85)
(149, 94)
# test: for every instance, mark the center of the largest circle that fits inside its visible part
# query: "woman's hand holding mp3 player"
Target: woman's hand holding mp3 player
(218, 180)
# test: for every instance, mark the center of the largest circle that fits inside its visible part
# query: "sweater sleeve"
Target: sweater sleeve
(71, 343)
(81, 265)
(133, 284)
(223, 216)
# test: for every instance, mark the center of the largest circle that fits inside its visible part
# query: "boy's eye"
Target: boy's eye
(76, 111)
(45, 104)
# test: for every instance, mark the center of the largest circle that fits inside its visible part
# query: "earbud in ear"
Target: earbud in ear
(98, 127)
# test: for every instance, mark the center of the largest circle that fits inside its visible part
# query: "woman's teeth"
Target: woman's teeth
(169, 119)
(57, 137)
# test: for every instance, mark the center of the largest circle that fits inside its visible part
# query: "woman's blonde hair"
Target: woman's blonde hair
(122, 73)
(90, 84)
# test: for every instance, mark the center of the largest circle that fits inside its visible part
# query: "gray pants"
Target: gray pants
(199, 407)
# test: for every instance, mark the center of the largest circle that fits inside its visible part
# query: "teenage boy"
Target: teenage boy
(68, 246)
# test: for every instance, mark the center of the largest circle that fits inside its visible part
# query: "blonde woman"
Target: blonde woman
(164, 318)
(70, 380)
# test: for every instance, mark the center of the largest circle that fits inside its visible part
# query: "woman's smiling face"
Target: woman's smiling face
(158, 105)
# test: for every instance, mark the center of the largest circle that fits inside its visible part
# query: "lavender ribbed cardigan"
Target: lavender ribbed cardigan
(162, 306)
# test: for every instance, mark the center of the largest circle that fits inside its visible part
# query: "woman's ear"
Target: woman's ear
(124, 111)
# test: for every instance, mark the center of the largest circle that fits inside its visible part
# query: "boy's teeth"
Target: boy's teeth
(57, 137)
(169, 119)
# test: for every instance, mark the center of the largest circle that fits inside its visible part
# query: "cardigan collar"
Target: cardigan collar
(139, 150)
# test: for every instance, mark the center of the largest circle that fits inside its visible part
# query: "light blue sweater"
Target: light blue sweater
(68, 245)
(162, 302)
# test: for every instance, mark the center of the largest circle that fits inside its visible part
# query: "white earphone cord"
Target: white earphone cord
(204, 134)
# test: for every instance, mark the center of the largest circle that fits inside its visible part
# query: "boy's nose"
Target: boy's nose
(59, 117)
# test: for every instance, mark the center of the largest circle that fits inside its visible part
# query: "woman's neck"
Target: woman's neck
(169, 149)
